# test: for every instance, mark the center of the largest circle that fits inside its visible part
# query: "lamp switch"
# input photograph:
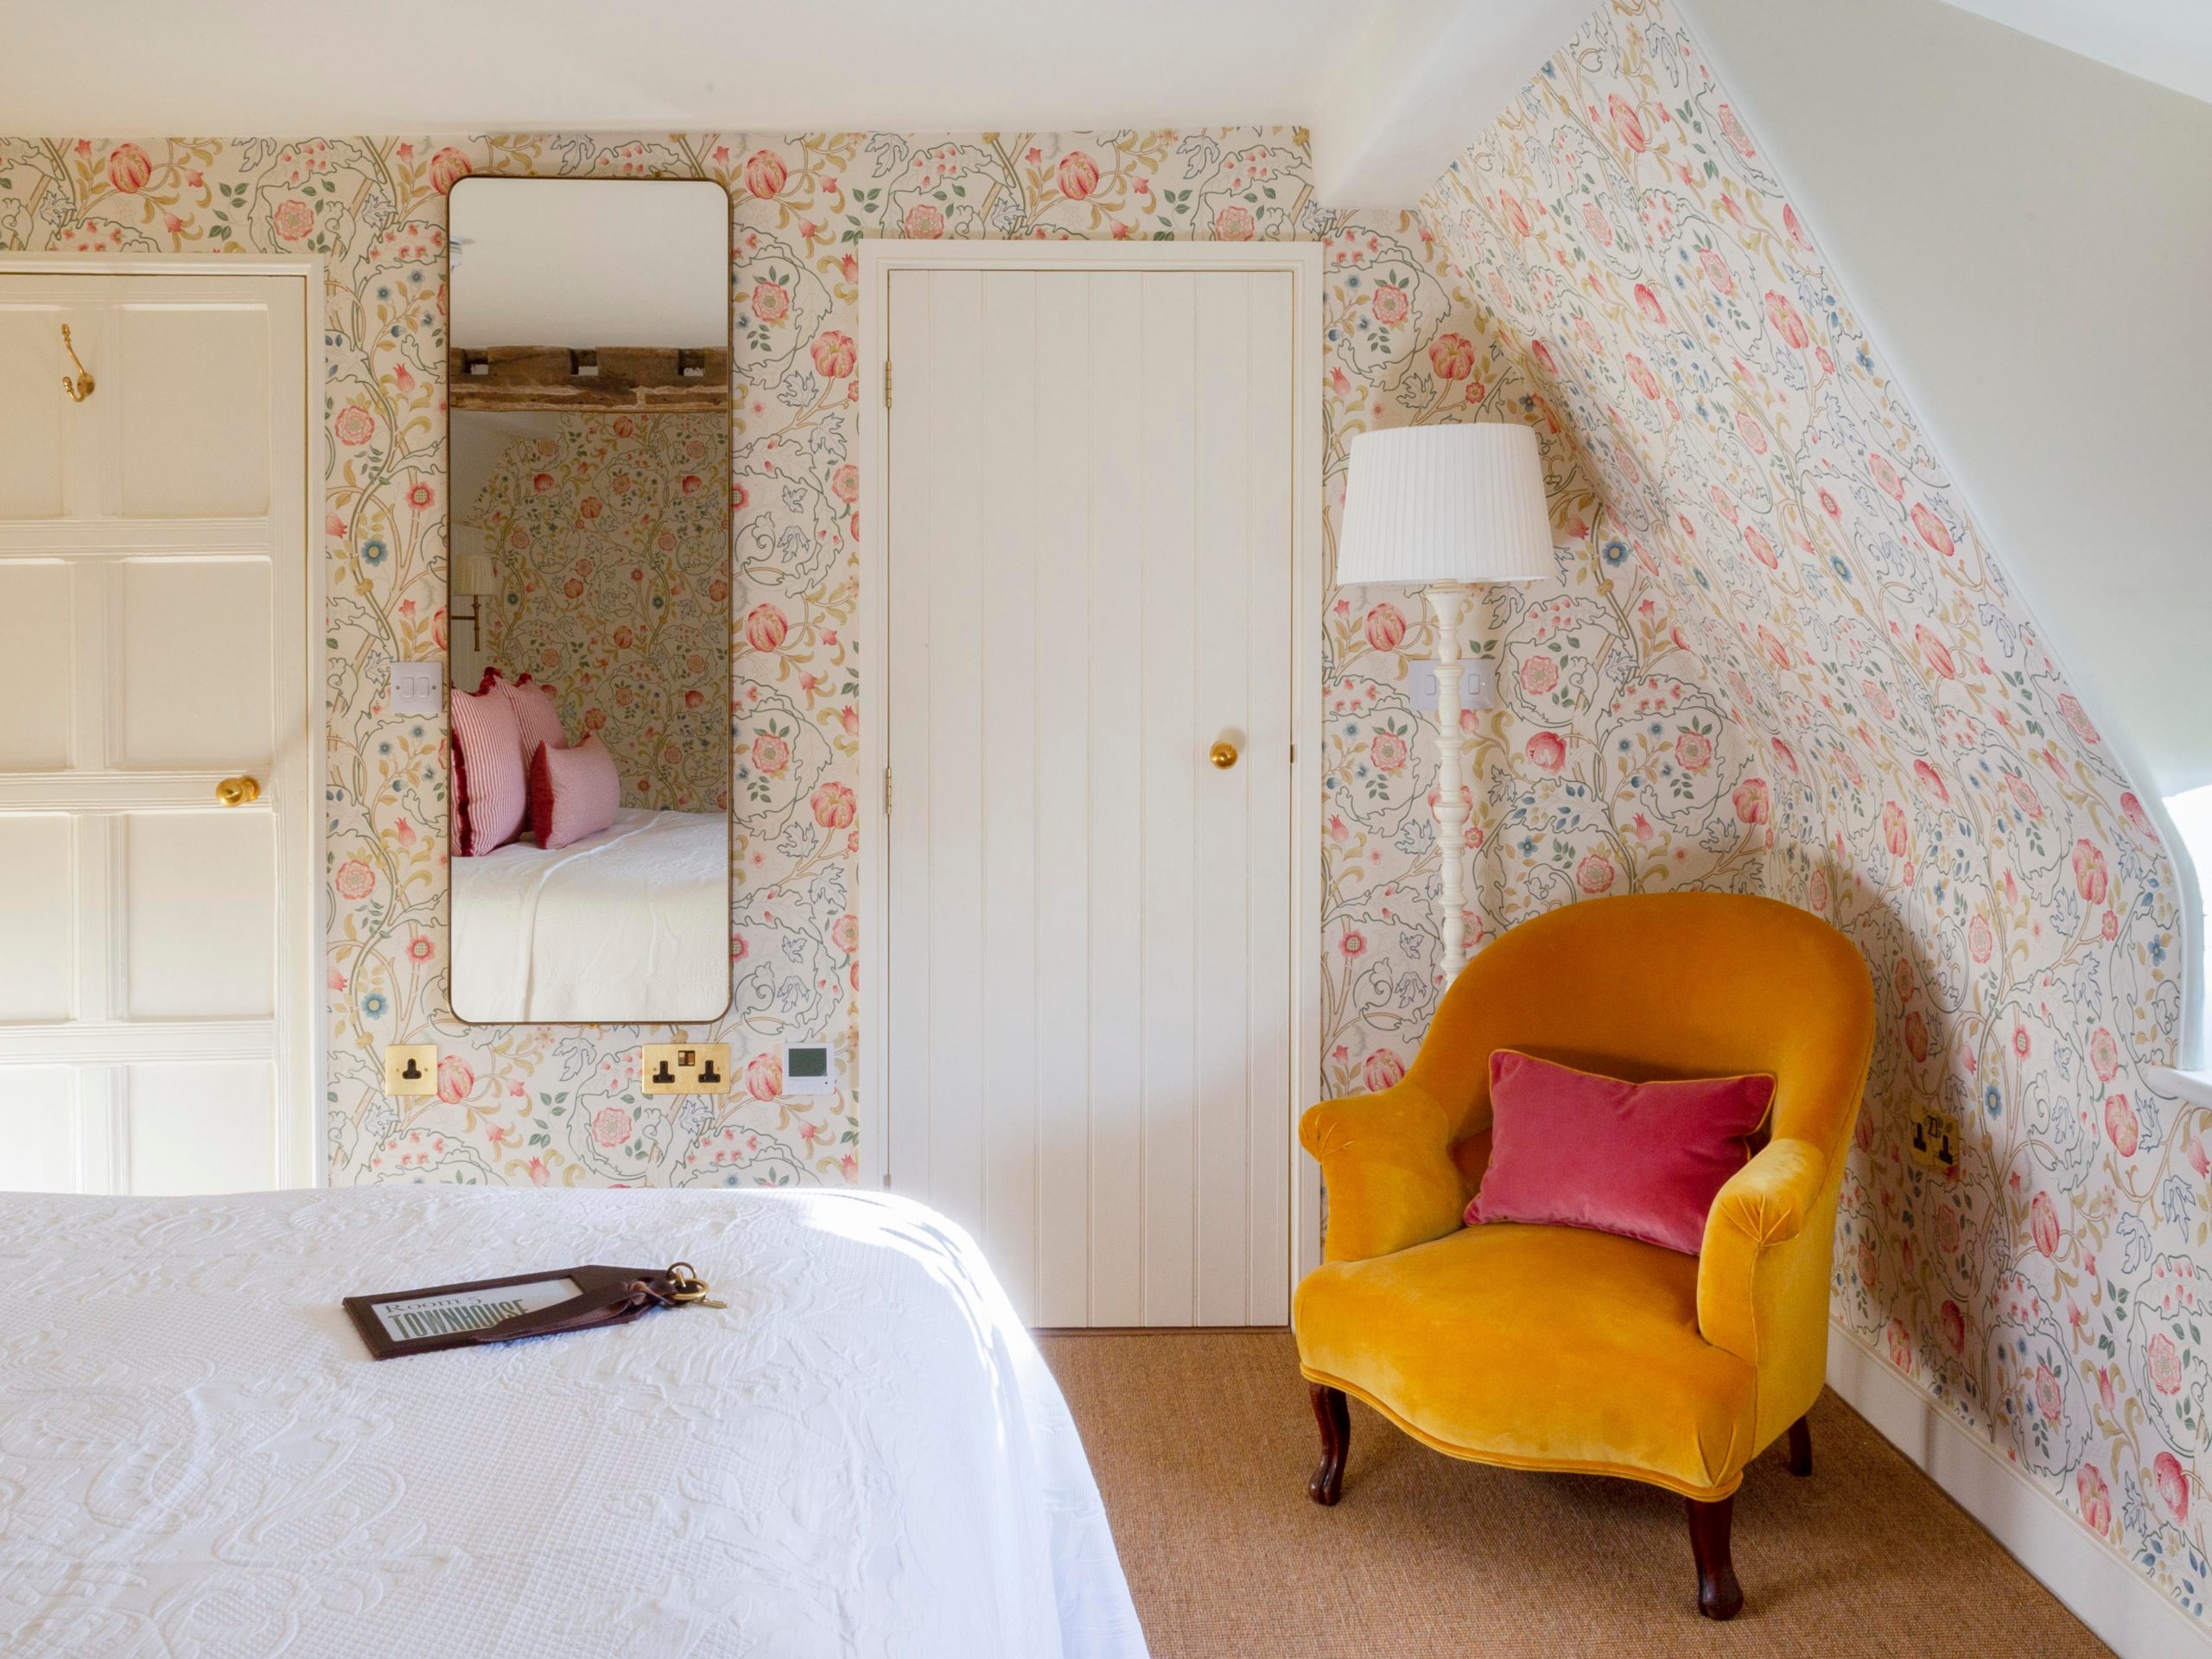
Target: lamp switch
(410, 1068)
(418, 687)
(1477, 685)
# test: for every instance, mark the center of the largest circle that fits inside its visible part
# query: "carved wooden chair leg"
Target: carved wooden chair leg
(1333, 1413)
(1719, 1595)
(1800, 1446)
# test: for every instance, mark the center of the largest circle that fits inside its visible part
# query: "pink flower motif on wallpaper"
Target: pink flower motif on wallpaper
(1386, 628)
(457, 1079)
(766, 627)
(1452, 357)
(834, 355)
(129, 170)
(764, 1077)
(764, 173)
(2171, 1481)
(1382, 1070)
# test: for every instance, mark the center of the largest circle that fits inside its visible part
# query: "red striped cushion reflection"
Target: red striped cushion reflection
(535, 717)
(487, 745)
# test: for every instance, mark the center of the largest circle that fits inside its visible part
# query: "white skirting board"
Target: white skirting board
(2127, 1612)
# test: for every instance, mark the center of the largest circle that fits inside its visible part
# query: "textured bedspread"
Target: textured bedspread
(862, 1455)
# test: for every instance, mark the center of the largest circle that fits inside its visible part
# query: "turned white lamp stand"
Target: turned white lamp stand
(1442, 508)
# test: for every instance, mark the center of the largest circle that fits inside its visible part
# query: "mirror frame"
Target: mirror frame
(581, 380)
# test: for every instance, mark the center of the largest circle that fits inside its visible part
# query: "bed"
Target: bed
(630, 925)
(863, 1454)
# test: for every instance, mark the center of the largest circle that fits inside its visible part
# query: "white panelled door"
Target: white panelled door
(158, 983)
(1089, 1031)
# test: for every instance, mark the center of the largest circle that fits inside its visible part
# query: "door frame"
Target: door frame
(302, 1153)
(1301, 261)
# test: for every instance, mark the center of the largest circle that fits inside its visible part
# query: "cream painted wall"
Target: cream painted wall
(1977, 189)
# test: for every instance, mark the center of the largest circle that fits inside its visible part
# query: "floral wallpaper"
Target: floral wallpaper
(611, 537)
(1611, 767)
(1922, 770)
(559, 1104)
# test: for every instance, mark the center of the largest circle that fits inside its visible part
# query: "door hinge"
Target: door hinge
(1294, 755)
(887, 382)
(886, 791)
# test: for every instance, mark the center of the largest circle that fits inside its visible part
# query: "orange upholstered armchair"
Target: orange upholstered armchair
(1542, 1347)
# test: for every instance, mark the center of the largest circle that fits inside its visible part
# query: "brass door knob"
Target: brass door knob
(1224, 755)
(237, 791)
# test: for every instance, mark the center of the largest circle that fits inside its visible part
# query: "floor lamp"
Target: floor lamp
(1442, 508)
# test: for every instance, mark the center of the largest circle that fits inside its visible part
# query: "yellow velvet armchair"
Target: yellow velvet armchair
(1560, 1348)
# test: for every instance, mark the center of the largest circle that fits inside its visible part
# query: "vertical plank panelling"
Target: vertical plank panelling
(1270, 475)
(1061, 623)
(1222, 974)
(1089, 571)
(1006, 1056)
(1170, 762)
(1119, 810)
(957, 855)
(906, 709)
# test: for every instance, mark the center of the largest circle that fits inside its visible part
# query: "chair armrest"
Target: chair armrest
(1387, 1167)
(1759, 1259)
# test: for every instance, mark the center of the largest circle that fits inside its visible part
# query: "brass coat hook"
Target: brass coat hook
(81, 387)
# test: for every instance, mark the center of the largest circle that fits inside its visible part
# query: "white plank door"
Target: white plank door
(1090, 557)
(158, 983)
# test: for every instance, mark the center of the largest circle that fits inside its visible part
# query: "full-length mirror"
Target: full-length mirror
(589, 400)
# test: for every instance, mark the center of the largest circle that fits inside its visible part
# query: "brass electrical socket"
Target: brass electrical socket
(684, 1069)
(1934, 1141)
(410, 1068)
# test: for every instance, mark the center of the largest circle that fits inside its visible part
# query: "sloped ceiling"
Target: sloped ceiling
(1935, 784)
(2028, 233)
(2166, 41)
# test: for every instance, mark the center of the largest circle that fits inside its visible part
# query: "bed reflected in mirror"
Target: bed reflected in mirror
(589, 605)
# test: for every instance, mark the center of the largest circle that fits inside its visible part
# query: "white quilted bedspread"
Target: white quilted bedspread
(862, 1455)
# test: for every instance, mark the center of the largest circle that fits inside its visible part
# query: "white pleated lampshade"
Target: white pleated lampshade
(1461, 503)
(474, 569)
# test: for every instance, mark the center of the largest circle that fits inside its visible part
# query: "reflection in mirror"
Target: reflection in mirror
(589, 606)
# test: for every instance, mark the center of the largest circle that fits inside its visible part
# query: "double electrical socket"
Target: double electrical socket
(685, 1069)
(1935, 1142)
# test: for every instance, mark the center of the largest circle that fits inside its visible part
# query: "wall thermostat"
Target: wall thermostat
(808, 1068)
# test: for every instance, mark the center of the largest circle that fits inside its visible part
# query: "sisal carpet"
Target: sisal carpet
(1202, 1443)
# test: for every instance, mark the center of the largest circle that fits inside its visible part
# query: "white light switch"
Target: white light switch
(1479, 684)
(418, 687)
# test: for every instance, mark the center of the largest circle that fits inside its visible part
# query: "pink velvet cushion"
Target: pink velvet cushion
(536, 719)
(489, 795)
(573, 792)
(1643, 1159)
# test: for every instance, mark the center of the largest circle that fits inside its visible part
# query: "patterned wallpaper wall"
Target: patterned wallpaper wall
(1611, 767)
(1929, 780)
(612, 543)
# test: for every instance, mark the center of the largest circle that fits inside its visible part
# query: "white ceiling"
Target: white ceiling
(1390, 88)
(298, 66)
(2169, 42)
